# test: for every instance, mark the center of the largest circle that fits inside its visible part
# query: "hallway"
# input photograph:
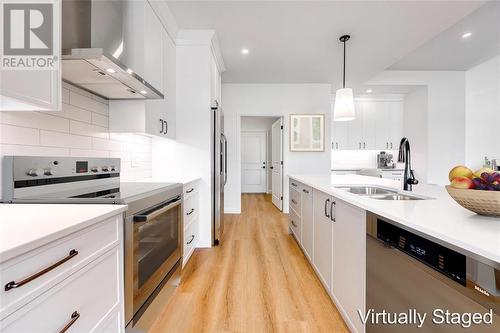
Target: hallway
(258, 280)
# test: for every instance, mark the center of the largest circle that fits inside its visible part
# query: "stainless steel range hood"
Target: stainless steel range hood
(94, 55)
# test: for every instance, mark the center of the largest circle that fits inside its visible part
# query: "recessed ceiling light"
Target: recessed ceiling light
(467, 35)
(244, 51)
(110, 70)
(144, 92)
(369, 91)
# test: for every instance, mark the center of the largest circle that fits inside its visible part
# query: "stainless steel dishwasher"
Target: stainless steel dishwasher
(407, 273)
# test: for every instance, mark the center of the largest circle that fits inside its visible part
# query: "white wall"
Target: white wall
(357, 159)
(482, 129)
(415, 129)
(79, 129)
(273, 100)
(445, 116)
(261, 124)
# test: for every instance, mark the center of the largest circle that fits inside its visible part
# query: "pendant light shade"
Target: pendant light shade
(343, 109)
(344, 105)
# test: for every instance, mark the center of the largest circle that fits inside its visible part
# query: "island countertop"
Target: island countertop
(439, 218)
(24, 227)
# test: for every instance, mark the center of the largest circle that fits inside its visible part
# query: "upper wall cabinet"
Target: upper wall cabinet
(378, 126)
(150, 51)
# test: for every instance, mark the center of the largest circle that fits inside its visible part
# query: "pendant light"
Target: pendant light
(344, 98)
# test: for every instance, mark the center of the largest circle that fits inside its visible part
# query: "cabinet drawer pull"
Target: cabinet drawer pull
(293, 223)
(364, 145)
(293, 184)
(305, 191)
(331, 211)
(326, 204)
(295, 202)
(162, 126)
(14, 284)
(74, 317)
(190, 212)
(191, 240)
(190, 190)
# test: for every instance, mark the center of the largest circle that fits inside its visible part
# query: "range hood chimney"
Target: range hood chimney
(93, 53)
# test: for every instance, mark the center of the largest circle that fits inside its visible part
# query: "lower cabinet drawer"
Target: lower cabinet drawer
(87, 300)
(295, 200)
(295, 224)
(71, 252)
(190, 209)
(191, 236)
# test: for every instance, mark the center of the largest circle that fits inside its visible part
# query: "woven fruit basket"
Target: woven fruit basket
(481, 202)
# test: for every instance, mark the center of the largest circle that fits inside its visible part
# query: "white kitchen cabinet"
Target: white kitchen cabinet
(348, 262)
(151, 53)
(307, 221)
(68, 292)
(322, 252)
(191, 208)
(340, 135)
(378, 126)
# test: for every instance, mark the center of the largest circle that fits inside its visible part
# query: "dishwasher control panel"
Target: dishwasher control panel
(442, 259)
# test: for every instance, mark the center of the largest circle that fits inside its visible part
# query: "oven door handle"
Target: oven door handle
(162, 209)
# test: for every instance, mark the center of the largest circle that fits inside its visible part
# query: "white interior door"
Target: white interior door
(253, 162)
(276, 163)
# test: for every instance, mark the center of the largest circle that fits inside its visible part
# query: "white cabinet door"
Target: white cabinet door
(369, 129)
(396, 123)
(153, 48)
(340, 135)
(348, 261)
(307, 221)
(381, 126)
(355, 128)
(322, 252)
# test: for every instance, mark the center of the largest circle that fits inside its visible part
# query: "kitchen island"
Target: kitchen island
(331, 225)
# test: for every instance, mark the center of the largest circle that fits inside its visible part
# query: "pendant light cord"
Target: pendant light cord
(343, 79)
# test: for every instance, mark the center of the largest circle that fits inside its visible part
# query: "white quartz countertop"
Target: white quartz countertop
(167, 179)
(24, 227)
(439, 218)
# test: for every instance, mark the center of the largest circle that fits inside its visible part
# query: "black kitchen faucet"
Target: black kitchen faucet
(405, 156)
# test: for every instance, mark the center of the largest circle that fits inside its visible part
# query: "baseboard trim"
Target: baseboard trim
(232, 211)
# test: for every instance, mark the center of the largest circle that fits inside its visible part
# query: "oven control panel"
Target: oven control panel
(24, 168)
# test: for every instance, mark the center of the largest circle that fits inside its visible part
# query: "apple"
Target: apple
(460, 171)
(478, 173)
(462, 183)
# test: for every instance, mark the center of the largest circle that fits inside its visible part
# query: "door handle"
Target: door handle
(190, 212)
(331, 211)
(191, 240)
(326, 204)
(162, 125)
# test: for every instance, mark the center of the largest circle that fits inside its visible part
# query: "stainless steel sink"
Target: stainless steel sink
(396, 196)
(378, 193)
(366, 190)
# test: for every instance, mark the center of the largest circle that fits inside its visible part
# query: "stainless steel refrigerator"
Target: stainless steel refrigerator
(219, 172)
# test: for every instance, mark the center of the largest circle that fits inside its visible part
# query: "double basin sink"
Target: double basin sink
(378, 193)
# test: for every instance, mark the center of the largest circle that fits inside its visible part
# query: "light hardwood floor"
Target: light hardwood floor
(258, 280)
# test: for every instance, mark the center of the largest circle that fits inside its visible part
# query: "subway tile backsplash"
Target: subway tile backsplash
(79, 129)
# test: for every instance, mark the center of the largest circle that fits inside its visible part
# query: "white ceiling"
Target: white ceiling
(449, 51)
(297, 41)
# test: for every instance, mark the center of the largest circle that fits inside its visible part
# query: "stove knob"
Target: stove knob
(113, 168)
(34, 172)
(94, 169)
(48, 172)
(105, 169)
